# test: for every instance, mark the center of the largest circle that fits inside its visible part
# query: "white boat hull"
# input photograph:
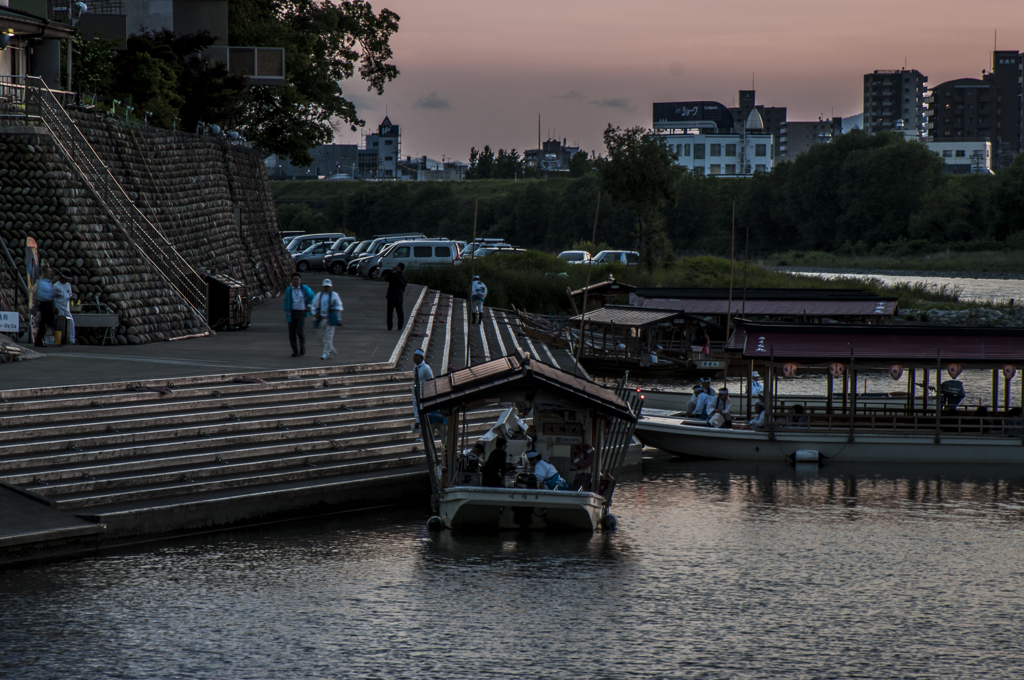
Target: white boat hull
(482, 508)
(875, 447)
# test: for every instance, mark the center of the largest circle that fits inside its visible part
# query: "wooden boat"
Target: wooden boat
(581, 428)
(898, 427)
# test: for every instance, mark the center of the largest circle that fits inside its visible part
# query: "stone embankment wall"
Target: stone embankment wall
(209, 198)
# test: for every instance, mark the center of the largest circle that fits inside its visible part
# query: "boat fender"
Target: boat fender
(435, 523)
(806, 456)
(582, 456)
(609, 523)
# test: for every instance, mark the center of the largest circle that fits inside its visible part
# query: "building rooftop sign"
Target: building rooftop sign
(681, 114)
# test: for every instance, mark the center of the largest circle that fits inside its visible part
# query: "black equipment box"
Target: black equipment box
(228, 307)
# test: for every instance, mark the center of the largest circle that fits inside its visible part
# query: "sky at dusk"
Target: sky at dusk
(476, 72)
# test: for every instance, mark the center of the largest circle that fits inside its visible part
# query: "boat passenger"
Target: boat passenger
(494, 469)
(691, 405)
(545, 472)
(798, 419)
(757, 422)
(706, 399)
(756, 388)
(721, 405)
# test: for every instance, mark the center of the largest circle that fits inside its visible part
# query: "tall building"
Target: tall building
(706, 140)
(378, 159)
(554, 155)
(985, 109)
(795, 137)
(894, 100)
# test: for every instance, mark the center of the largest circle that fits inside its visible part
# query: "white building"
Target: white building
(706, 142)
(964, 157)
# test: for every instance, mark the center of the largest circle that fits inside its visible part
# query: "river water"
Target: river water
(717, 570)
(972, 289)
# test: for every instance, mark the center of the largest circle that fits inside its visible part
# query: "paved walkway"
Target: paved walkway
(263, 346)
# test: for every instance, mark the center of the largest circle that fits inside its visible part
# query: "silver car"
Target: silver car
(311, 258)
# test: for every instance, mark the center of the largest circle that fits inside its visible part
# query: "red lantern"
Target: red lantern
(954, 370)
(895, 371)
(789, 370)
(1009, 370)
(836, 370)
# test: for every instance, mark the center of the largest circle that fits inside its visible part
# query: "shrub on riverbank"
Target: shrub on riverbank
(537, 282)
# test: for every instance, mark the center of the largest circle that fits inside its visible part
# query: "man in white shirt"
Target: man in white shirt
(478, 294)
(297, 299)
(542, 470)
(706, 400)
(691, 405)
(757, 422)
(327, 310)
(421, 372)
(756, 388)
(62, 295)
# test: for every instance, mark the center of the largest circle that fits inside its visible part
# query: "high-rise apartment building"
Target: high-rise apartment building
(894, 100)
(985, 109)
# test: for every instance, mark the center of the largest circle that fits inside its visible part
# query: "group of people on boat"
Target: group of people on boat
(536, 472)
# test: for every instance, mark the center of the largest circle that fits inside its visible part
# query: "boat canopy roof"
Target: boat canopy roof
(625, 316)
(783, 302)
(518, 373)
(911, 345)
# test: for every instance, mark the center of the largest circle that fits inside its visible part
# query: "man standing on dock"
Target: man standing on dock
(478, 294)
(297, 301)
(396, 294)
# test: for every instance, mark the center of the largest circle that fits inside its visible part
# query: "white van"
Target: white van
(300, 243)
(419, 253)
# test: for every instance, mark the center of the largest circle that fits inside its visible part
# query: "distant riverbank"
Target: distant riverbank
(915, 273)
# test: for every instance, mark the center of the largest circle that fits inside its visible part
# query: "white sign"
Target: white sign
(9, 322)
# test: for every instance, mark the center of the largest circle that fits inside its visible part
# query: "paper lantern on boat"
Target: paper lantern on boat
(954, 370)
(789, 370)
(836, 370)
(895, 371)
(1009, 370)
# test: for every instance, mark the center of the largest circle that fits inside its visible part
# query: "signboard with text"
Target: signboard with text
(9, 323)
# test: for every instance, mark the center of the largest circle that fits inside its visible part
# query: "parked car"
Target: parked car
(575, 256)
(300, 243)
(481, 243)
(416, 253)
(311, 258)
(337, 262)
(376, 247)
(630, 258)
(484, 251)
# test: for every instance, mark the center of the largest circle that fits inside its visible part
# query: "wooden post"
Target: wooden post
(846, 388)
(853, 394)
(1006, 394)
(912, 375)
(938, 405)
(995, 389)
(831, 389)
(769, 393)
(924, 391)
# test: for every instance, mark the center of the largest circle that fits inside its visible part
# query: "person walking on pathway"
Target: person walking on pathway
(396, 294)
(297, 301)
(478, 294)
(43, 296)
(327, 309)
(62, 295)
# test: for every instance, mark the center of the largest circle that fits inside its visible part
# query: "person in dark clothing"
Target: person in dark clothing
(493, 471)
(44, 297)
(396, 294)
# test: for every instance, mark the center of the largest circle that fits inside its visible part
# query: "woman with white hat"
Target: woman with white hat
(327, 309)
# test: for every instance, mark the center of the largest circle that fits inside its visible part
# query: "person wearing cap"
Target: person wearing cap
(420, 374)
(298, 299)
(327, 309)
(396, 294)
(691, 405)
(62, 296)
(545, 472)
(477, 295)
(756, 388)
(706, 399)
(721, 405)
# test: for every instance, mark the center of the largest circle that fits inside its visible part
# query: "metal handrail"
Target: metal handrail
(41, 103)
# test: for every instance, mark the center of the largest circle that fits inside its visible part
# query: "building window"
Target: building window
(948, 153)
(760, 167)
(698, 152)
(949, 94)
(730, 169)
(698, 171)
(730, 149)
(388, 142)
(760, 149)
(716, 150)
(961, 153)
(686, 150)
(421, 251)
(387, 158)
(946, 133)
(716, 169)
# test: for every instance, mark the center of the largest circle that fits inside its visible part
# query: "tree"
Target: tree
(147, 74)
(92, 64)
(325, 44)
(481, 163)
(580, 164)
(639, 171)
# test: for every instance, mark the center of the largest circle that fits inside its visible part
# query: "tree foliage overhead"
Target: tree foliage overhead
(325, 43)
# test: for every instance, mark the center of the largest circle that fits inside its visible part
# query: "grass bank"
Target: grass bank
(537, 282)
(982, 262)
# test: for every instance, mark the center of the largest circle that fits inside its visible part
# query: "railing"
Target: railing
(42, 105)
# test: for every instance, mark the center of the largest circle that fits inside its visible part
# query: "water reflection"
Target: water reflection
(719, 569)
